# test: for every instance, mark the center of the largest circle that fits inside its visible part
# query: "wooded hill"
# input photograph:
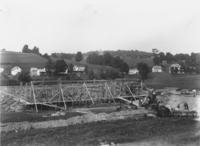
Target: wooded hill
(131, 57)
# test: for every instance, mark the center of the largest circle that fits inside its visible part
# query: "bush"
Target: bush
(78, 56)
(60, 66)
(24, 77)
(143, 70)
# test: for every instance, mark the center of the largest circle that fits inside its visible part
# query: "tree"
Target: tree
(24, 77)
(169, 57)
(78, 56)
(193, 59)
(124, 67)
(92, 58)
(86, 69)
(36, 50)
(60, 66)
(91, 75)
(50, 67)
(156, 60)
(143, 70)
(25, 49)
(70, 68)
(117, 62)
(107, 57)
(46, 56)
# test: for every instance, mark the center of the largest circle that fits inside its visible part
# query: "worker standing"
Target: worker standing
(154, 96)
(194, 93)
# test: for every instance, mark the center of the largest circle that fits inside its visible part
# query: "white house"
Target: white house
(37, 71)
(15, 70)
(156, 68)
(1, 69)
(175, 68)
(133, 71)
(78, 68)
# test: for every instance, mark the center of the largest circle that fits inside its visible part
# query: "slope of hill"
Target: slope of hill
(24, 60)
(84, 63)
(131, 57)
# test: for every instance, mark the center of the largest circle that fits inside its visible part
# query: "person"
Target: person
(194, 93)
(186, 107)
(153, 100)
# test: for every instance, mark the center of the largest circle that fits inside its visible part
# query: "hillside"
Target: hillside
(24, 60)
(131, 57)
(84, 63)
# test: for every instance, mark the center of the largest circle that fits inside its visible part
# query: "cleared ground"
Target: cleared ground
(161, 80)
(167, 131)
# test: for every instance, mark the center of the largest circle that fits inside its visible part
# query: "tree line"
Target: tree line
(108, 60)
(189, 63)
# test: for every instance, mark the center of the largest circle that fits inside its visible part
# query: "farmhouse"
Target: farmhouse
(156, 68)
(1, 69)
(175, 68)
(133, 71)
(15, 70)
(77, 68)
(37, 71)
(15, 62)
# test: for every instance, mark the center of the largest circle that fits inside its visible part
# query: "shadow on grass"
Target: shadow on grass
(122, 131)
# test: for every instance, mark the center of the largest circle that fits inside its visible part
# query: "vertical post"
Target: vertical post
(34, 98)
(62, 95)
(88, 92)
(110, 92)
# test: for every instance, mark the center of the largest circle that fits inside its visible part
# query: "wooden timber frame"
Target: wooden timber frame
(57, 94)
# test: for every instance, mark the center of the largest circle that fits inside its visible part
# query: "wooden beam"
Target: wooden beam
(34, 97)
(130, 92)
(88, 92)
(62, 95)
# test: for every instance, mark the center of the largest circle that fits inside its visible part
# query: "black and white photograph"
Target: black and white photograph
(99, 73)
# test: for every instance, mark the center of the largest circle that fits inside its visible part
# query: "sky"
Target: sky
(87, 25)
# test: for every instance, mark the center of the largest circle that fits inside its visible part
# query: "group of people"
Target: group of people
(151, 100)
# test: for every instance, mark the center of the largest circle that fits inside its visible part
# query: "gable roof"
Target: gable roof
(21, 59)
(156, 67)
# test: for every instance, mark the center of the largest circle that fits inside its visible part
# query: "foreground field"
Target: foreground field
(158, 131)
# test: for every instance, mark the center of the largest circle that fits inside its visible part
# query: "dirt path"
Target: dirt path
(87, 118)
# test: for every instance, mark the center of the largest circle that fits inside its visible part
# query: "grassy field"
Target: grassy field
(157, 131)
(161, 80)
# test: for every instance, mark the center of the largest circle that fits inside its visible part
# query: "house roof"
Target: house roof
(157, 67)
(175, 65)
(21, 59)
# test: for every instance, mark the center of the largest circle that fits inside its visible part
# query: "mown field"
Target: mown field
(161, 80)
(153, 131)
